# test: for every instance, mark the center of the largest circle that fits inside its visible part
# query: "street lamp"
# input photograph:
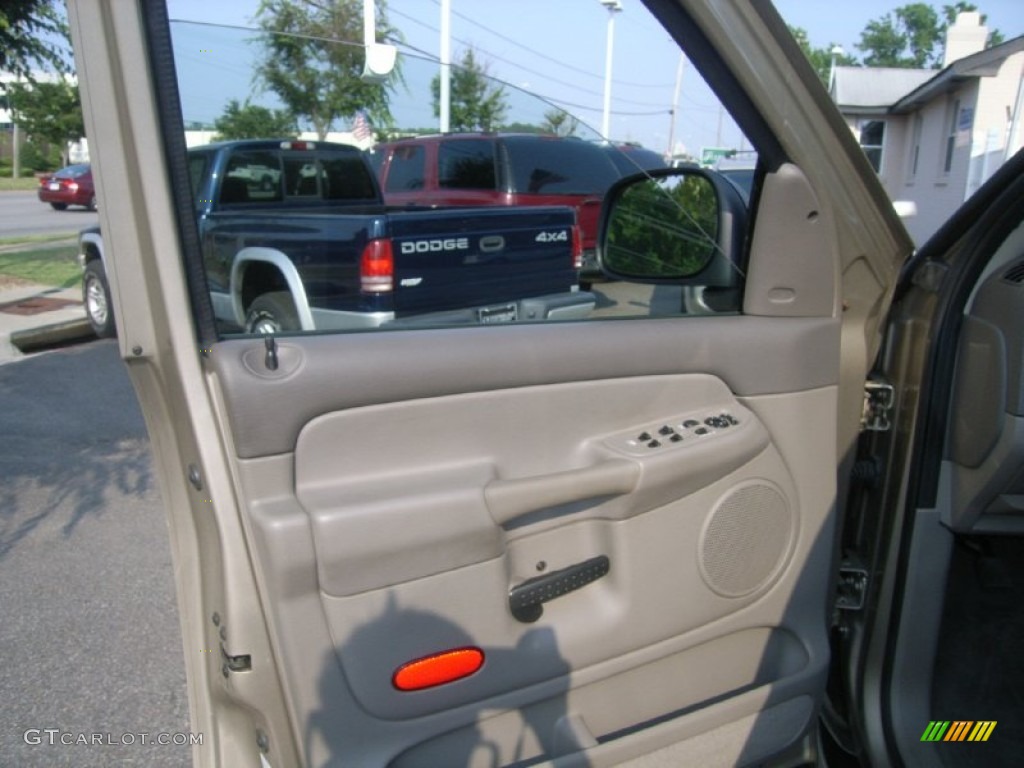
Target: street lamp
(613, 6)
(837, 51)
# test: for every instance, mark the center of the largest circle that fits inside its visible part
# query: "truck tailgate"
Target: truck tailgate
(476, 257)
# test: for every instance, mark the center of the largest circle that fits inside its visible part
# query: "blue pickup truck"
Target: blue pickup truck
(295, 236)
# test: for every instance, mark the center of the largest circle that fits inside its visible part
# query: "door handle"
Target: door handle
(526, 601)
(509, 499)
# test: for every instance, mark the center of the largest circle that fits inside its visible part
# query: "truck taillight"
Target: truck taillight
(577, 248)
(377, 267)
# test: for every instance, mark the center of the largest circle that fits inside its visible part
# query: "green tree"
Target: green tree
(49, 112)
(560, 123)
(28, 30)
(907, 37)
(250, 121)
(820, 58)
(478, 103)
(314, 61)
(913, 35)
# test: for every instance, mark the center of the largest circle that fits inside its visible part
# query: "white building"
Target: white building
(935, 136)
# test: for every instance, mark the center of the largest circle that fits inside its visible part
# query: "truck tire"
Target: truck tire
(96, 299)
(272, 313)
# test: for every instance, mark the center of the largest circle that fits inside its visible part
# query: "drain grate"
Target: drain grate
(35, 305)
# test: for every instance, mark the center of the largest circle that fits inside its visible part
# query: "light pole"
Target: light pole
(613, 6)
(837, 51)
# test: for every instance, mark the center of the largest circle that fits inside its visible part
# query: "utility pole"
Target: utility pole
(613, 6)
(446, 65)
(675, 108)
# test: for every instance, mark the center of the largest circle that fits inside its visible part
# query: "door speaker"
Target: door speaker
(746, 539)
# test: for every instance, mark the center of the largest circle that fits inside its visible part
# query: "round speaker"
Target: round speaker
(746, 539)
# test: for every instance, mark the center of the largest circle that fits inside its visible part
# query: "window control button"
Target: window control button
(654, 444)
(701, 431)
(676, 438)
(666, 430)
(690, 423)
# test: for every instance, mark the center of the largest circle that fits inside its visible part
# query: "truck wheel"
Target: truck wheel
(96, 298)
(272, 313)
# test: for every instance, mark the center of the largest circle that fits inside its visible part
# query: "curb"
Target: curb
(32, 339)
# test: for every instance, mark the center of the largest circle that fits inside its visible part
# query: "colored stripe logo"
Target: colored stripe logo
(958, 730)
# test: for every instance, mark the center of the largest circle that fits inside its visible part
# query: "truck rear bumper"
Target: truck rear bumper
(575, 305)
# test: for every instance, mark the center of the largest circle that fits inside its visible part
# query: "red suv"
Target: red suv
(68, 186)
(500, 169)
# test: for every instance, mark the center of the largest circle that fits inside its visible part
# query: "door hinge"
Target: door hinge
(852, 588)
(234, 663)
(878, 400)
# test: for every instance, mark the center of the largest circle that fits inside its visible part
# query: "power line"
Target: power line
(542, 55)
(535, 72)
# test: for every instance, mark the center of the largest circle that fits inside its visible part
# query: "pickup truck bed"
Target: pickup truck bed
(296, 236)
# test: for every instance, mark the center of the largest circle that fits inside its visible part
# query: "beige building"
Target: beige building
(935, 136)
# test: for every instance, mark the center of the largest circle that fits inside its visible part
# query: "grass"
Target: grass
(24, 184)
(34, 239)
(52, 267)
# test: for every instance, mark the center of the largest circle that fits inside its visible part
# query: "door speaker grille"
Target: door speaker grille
(746, 539)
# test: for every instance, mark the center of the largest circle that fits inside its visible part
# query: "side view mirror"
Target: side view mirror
(683, 226)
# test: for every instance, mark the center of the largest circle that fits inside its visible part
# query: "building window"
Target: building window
(915, 147)
(872, 134)
(951, 122)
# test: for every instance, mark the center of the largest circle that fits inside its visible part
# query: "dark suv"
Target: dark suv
(500, 169)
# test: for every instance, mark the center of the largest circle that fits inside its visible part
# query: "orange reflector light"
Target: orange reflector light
(441, 668)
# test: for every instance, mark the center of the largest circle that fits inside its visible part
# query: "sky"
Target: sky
(556, 48)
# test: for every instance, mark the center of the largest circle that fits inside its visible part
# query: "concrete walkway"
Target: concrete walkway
(33, 317)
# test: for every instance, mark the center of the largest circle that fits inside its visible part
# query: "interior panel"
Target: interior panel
(986, 442)
(708, 603)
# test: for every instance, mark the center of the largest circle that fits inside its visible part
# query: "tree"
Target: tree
(314, 61)
(27, 32)
(560, 123)
(477, 102)
(250, 121)
(913, 35)
(51, 112)
(820, 58)
(905, 38)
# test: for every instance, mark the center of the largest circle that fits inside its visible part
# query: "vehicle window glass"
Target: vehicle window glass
(407, 170)
(347, 178)
(197, 164)
(466, 165)
(300, 177)
(559, 167)
(492, 218)
(251, 177)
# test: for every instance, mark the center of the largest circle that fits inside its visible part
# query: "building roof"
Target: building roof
(867, 90)
(982, 64)
(875, 89)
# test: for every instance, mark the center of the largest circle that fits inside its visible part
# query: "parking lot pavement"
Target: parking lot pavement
(34, 316)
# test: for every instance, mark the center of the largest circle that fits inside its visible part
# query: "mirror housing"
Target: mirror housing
(680, 226)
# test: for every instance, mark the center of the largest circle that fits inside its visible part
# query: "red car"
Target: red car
(69, 186)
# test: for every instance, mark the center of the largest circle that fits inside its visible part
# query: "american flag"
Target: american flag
(361, 129)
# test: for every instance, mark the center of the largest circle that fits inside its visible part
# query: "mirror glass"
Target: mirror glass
(665, 227)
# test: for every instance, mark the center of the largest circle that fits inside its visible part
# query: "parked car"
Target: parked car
(633, 158)
(295, 238)
(501, 169)
(68, 186)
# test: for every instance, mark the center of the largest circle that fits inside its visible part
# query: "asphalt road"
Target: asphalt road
(89, 639)
(22, 214)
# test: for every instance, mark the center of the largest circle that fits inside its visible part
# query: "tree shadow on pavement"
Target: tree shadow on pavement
(74, 436)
